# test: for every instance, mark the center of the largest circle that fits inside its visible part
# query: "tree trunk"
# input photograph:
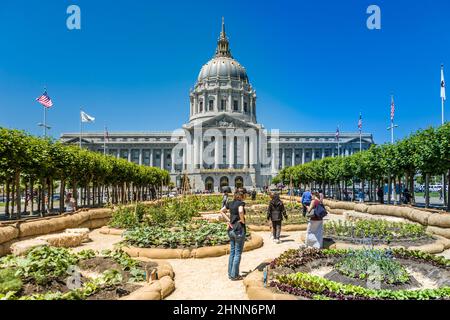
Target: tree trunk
(427, 190)
(411, 189)
(62, 188)
(31, 196)
(389, 190)
(448, 193)
(7, 198)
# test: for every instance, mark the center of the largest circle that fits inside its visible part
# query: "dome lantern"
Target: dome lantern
(223, 46)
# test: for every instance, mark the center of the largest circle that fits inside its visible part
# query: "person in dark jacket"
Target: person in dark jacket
(275, 214)
(380, 194)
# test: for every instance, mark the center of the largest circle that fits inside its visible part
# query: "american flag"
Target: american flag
(392, 108)
(442, 84)
(360, 122)
(45, 100)
(337, 133)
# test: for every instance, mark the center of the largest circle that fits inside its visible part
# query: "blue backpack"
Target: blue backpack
(320, 211)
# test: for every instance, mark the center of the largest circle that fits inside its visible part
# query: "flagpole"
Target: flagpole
(104, 142)
(45, 121)
(444, 196)
(81, 128)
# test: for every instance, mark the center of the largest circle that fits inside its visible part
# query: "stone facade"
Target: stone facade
(222, 144)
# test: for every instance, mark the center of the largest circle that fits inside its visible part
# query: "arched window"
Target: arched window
(224, 182)
(209, 184)
(239, 182)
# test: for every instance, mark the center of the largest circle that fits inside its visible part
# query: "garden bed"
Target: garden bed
(396, 274)
(382, 233)
(50, 273)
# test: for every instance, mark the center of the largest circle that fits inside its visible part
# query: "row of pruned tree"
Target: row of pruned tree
(426, 152)
(33, 168)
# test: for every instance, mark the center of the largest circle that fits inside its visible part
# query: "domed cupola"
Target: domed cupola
(223, 87)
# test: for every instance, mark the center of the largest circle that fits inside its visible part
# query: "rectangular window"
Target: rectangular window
(211, 105)
(223, 103)
(235, 105)
(146, 157)
(124, 154)
(201, 106)
(245, 107)
(135, 156)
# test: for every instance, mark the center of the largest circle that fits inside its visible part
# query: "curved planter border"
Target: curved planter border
(255, 242)
(254, 287)
(157, 289)
(14, 231)
(439, 245)
(287, 228)
(111, 231)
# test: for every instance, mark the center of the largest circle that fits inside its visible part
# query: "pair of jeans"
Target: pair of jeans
(237, 240)
(276, 229)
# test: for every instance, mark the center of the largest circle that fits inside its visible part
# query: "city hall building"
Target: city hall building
(222, 144)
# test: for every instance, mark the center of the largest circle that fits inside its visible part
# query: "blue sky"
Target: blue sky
(314, 64)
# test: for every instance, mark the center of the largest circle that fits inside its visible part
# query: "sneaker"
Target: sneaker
(278, 241)
(238, 278)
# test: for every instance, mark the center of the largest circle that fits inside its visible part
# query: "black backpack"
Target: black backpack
(320, 211)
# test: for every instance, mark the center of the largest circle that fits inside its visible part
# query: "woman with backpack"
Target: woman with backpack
(236, 232)
(275, 214)
(314, 232)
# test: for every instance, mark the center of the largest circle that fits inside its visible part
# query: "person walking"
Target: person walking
(361, 195)
(314, 231)
(225, 197)
(275, 214)
(380, 195)
(306, 200)
(236, 232)
(322, 196)
(69, 202)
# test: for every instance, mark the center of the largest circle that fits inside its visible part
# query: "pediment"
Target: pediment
(225, 121)
(77, 140)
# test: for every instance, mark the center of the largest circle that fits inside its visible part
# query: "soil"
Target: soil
(422, 275)
(113, 293)
(30, 287)
(91, 267)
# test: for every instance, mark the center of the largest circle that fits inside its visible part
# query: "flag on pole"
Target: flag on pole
(392, 108)
(337, 133)
(45, 100)
(442, 83)
(360, 122)
(85, 117)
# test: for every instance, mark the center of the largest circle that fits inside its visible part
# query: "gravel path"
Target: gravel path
(201, 279)
(99, 241)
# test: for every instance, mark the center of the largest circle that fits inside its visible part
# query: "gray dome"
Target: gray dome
(223, 68)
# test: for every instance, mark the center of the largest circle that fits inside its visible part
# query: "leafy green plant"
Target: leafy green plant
(9, 281)
(360, 263)
(379, 230)
(315, 285)
(41, 263)
(182, 234)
